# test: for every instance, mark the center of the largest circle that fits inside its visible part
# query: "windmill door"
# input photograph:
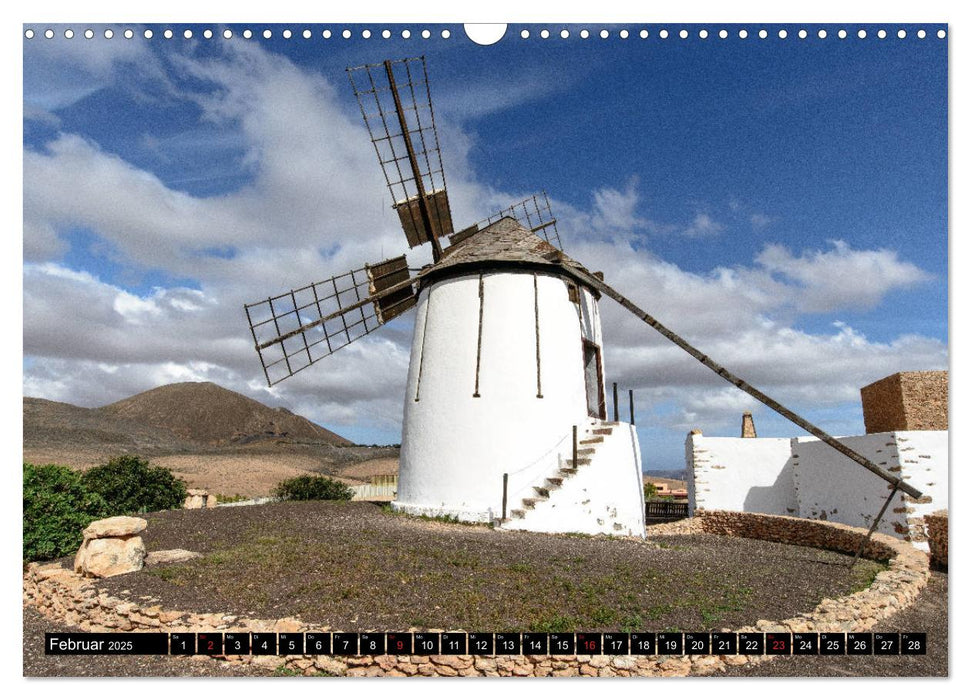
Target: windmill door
(593, 377)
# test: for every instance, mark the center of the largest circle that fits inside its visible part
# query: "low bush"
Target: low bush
(129, 484)
(57, 506)
(313, 488)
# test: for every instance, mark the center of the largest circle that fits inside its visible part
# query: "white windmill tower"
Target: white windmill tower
(505, 416)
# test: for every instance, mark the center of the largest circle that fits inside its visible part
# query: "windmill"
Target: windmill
(505, 414)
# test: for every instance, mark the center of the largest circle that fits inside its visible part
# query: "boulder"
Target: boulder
(169, 556)
(118, 526)
(110, 556)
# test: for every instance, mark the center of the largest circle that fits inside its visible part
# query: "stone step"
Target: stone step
(542, 491)
(580, 462)
(591, 441)
(530, 503)
(554, 482)
(518, 513)
(586, 450)
(567, 472)
(602, 431)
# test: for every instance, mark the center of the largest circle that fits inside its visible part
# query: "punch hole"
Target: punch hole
(841, 33)
(703, 34)
(564, 34)
(307, 33)
(921, 34)
(29, 34)
(524, 34)
(763, 34)
(167, 33)
(683, 34)
(803, 33)
(941, 34)
(228, 34)
(287, 34)
(446, 34)
(327, 34)
(247, 34)
(644, 34)
(366, 34)
(487, 34)
(723, 34)
(604, 33)
(405, 33)
(821, 34)
(88, 34)
(68, 33)
(130, 34)
(902, 34)
(742, 34)
(663, 34)
(545, 34)
(109, 34)
(49, 33)
(425, 34)
(882, 34)
(584, 34)
(624, 33)
(861, 33)
(346, 33)
(783, 33)
(148, 34)
(386, 34)
(187, 34)
(207, 34)
(267, 34)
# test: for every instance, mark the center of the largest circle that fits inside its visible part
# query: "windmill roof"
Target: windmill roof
(505, 243)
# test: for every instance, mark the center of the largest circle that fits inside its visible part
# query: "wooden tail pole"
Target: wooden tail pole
(505, 493)
(616, 407)
(630, 395)
(606, 289)
(873, 527)
(575, 447)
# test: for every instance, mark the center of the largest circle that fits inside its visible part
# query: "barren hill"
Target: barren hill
(207, 413)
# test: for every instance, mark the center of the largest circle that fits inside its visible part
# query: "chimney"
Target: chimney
(748, 425)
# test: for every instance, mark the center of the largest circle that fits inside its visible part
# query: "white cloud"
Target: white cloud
(702, 226)
(840, 277)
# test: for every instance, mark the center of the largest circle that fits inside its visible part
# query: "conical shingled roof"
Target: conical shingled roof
(505, 243)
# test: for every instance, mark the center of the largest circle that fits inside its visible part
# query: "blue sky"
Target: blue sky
(780, 202)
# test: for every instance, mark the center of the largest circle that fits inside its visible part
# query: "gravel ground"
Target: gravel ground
(354, 566)
(928, 614)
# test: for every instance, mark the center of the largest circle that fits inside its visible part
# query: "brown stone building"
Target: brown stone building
(906, 401)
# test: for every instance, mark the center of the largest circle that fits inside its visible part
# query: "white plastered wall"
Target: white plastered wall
(455, 447)
(752, 475)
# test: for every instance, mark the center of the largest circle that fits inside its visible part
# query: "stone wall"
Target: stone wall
(937, 537)
(906, 401)
(71, 599)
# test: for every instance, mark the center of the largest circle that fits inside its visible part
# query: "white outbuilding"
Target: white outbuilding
(506, 367)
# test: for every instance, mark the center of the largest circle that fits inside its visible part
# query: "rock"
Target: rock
(110, 556)
(118, 526)
(169, 556)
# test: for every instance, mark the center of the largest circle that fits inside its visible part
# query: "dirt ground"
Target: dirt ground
(232, 473)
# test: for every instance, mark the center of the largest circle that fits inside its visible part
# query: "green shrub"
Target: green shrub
(313, 488)
(57, 506)
(129, 484)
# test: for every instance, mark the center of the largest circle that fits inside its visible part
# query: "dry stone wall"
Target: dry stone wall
(71, 599)
(937, 537)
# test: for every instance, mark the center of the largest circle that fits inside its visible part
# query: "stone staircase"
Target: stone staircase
(587, 444)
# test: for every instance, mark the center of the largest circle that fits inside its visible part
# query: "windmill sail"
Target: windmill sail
(396, 105)
(294, 330)
(534, 213)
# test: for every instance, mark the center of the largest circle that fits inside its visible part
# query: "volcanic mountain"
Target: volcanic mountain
(200, 413)
(207, 413)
